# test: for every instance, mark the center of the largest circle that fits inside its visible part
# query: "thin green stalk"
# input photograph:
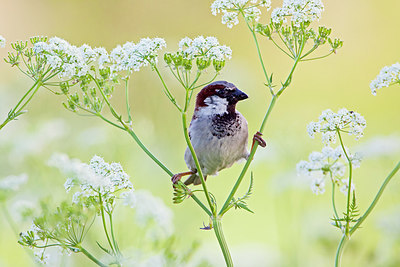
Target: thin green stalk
(113, 236)
(334, 202)
(376, 199)
(197, 163)
(349, 184)
(340, 249)
(128, 107)
(14, 111)
(104, 223)
(91, 257)
(249, 160)
(217, 226)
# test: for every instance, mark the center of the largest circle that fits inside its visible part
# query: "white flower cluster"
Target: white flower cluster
(387, 76)
(208, 47)
(2, 41)
(12, 183)
(344, 120)
(75, 62)
(96, 177)
(132, 56)
(230, 10)
(299, 11)
(327, 163)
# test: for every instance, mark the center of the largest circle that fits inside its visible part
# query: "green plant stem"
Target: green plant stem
(113, 236)
(128, 107)
(376, 199)
(217, 226)
(197, 163)
(14, 111)
(349, 184)
(91, 257)
(345, 238)
(9, 219)
(340, 249)
(334, 202)
(104, 224)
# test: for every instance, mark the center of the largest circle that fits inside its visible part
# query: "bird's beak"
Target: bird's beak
(239, 95)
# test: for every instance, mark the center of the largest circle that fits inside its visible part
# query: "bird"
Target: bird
(217, 131)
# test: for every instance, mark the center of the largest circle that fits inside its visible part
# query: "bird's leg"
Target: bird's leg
(257, 137)
(177, 177)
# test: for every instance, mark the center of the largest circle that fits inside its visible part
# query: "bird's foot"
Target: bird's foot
(258, 137)
(177, 177)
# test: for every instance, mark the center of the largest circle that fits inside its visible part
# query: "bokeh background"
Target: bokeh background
(290, 226)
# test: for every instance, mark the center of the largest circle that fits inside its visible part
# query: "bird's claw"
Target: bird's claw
(176, 178)
(258, 137)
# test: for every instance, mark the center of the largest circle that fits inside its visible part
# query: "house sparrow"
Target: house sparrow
(218, 132)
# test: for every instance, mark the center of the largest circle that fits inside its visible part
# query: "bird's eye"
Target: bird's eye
(222, 93)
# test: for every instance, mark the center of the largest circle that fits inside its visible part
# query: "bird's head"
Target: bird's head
(218, 98)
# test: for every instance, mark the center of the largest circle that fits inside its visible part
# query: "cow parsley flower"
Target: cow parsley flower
(97, 177)
(208, 47)
(131, 56)
(2, 41)
(11, 184)
(344, 120)
(387, 76)
(329, 163)
(299, 11)
(231, 9)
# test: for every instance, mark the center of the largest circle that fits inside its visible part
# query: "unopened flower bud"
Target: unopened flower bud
(203, 63)
(187, 64)
(218, 65)
(64, 87)
(168, 58)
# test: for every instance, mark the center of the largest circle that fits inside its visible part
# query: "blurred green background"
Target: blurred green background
(291, 226)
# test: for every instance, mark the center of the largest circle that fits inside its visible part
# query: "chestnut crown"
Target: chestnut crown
(223, 90)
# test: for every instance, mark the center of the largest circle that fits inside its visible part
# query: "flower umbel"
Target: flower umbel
(299, 12)
(388, 75)
(231, 9)
(329, 163)
(330, 123)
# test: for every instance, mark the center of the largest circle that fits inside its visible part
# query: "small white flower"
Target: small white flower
(128, 198)
(230, 10)
(299, 11)
(208, 47)
(386, 77)
(344, 120)
(2, 41)
(318, 186)
(345, 187)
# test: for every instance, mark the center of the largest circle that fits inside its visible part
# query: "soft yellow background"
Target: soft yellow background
(291, 226)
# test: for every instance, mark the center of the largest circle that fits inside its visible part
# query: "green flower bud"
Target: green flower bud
(187, 64)
(168, 58)
(104, 73)
(218, 65)
(177, 59)
(93, 92)
(75, 98)
(203, 63)
(64, 87)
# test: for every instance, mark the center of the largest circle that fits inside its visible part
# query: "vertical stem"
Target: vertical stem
(128, 107)
(104, 223)
(217, 226)
(349, 184)
(196, 161)
(91, 257)
(246, 166)
(340, 249)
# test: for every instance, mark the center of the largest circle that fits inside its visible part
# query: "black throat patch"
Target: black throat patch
(227, 124)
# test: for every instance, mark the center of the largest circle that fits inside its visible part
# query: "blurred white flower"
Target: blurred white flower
(299, 11)
(380, 146)
(388, 75)
(12, 182)
(150, 209)
(131, 56)
(230, 10)
(96, 177)
(2, 41)
(345, 187)
(326, 164)
(208, 47)
(344, 120)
